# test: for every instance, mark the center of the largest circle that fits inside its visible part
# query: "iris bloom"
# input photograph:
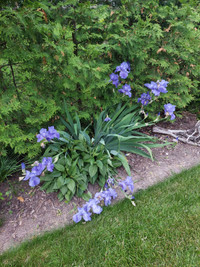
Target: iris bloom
(169, 109)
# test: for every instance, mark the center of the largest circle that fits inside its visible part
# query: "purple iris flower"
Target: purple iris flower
(34, 181)
(128, 182)
(157, 87)
(107, 198)
(125, 66)
(42, 135)
(92, 204)
(144, 99)
(23, 166)
(126, 89)
(52, 133)
(36, 171)
(47, 162)
(106, 195)
(122, 184)
(116, 83)
(169, 109)
(110, 181)
(123, 69)
(115, 79)
(27, 175)
(112, 193)
(82, 213)
(77, 217)
(123, 74)
(48, 135)
(50, 167)
(107, 119)
(162, 86)
(98, 196)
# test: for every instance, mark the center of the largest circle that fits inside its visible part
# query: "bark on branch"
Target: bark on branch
(13, 76)
(190, 136)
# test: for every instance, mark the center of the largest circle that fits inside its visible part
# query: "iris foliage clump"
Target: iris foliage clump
(73, 158)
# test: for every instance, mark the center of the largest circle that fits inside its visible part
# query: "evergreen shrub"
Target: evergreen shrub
(67, 51)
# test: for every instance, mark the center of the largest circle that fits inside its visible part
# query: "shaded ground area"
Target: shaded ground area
(28, 212)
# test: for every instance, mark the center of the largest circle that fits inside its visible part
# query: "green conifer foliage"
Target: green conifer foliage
(56, 50)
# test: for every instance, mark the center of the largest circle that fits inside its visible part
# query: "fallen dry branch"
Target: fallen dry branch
(190, 136)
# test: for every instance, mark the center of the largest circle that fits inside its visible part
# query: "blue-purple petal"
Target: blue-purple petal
(34, 181)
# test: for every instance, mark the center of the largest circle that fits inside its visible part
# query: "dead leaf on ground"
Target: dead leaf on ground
(21, 199)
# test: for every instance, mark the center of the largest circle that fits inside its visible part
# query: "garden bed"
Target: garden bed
(28, 212)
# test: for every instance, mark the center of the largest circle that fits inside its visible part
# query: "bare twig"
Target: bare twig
(8, 65)
(13, 76)
(190, 136)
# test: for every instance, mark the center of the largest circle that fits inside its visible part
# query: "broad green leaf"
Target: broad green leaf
(99, 164)
(64, 189)
(46, 178)
(101, 181)
(114, 152)
(50, 188)
(93, 170)
(110, 162)
(60, 196)
(59, 167)
(60, 182)
(45, 185)
(68, 195)
(71, 185)
(87, 196)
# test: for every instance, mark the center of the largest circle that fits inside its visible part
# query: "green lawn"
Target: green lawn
(162, 230)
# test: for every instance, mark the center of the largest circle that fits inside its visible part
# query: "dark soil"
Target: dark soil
(29, 211)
